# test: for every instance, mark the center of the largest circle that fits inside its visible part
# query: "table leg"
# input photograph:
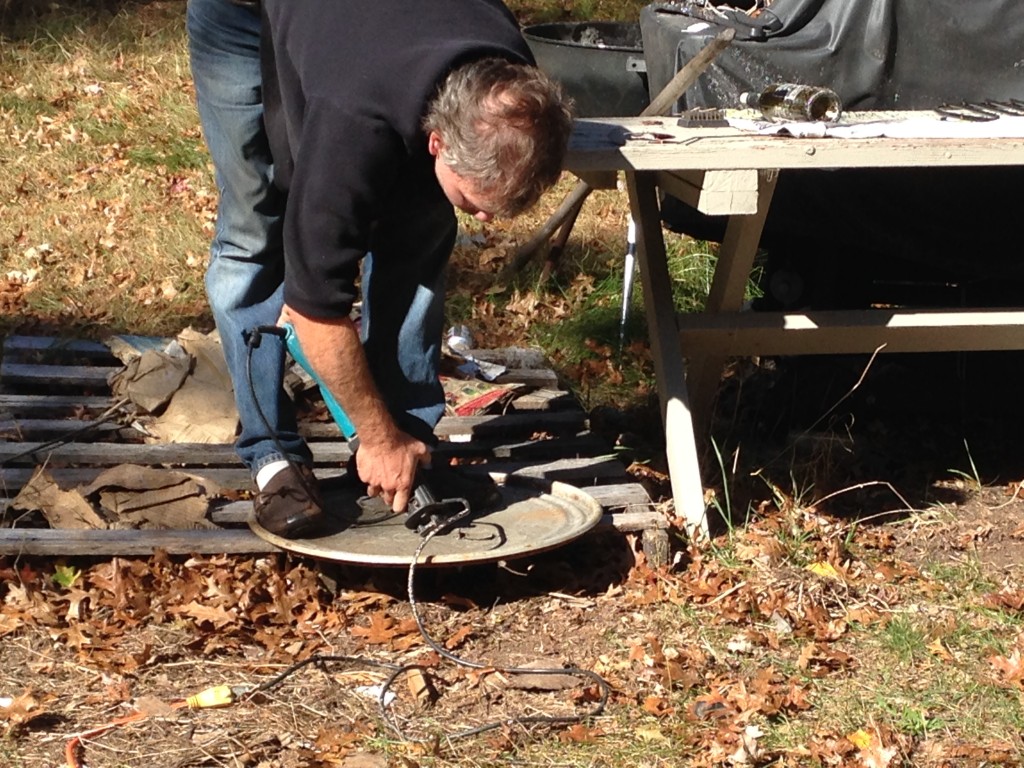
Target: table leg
(735, 262)
(669, 369)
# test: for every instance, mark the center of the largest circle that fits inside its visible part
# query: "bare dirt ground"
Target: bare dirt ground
(739, 654)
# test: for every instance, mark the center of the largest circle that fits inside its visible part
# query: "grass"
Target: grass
(104, 164)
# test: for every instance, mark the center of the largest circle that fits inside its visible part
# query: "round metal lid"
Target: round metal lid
(534, 516)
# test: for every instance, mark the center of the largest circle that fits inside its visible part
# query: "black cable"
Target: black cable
(397, 670)
(602, 684)
(253, 339)
(319, 661)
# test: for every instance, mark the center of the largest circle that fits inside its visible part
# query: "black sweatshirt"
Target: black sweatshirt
(346, 86)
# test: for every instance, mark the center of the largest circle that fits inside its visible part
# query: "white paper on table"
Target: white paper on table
(1005, 126)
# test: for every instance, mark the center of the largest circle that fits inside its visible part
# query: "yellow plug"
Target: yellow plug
(217, 696)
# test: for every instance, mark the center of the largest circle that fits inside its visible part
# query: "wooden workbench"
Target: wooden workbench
(732, 172)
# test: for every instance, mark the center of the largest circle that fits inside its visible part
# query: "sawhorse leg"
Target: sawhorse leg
(669, 369)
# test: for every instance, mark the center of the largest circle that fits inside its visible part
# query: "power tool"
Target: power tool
(425, 511)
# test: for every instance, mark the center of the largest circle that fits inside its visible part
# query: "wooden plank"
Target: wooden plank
(227, 478)
(714, 193)
(15, 345)
(47, 542)
(556, 447)
(508, 424)
(193, 454)
(65, 376)
(53, 405)
(735, 260)
(580, 470)
(33, 408)
(634, 521)
(543, 400)
(534, 377)
(45, 429)
(490, 425)
(852, 331)
(12, 479)
(632, 497)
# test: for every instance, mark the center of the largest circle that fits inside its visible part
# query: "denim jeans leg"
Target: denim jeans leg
(246, 271)
(403, 286)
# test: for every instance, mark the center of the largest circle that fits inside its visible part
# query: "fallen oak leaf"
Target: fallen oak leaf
(1006, 598)
(580, 734)
(385, 629)
(458, 638)
(22, 710)
(658, 706)
(1010, 668)
(218, 616)
(382, 629)
(939, 648)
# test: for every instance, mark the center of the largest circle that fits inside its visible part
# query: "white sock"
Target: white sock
(267, 472)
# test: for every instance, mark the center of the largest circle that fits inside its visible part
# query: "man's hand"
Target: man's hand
(388, 467)
(387, 457)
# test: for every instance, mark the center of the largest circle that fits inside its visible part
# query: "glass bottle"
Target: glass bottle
(782, 102)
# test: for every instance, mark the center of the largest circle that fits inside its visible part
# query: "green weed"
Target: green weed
(904, 638)
(971, 478)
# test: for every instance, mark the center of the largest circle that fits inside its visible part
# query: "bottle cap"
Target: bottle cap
(746, 98)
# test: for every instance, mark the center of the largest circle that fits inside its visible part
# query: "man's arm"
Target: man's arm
(387, 456)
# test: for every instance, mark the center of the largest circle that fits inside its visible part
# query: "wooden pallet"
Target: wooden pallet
(51, 387)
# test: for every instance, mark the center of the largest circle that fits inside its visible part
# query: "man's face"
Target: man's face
(461, 192)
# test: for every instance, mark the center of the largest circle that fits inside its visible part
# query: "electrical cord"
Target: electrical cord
(253, 338)
(602, 684)
(437, 526)
(216, 696)
(397, 670)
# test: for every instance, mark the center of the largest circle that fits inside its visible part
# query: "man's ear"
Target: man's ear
(435, 143)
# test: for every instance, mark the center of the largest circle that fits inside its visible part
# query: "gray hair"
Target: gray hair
(505, 128)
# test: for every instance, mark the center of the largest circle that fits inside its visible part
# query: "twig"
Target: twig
(906, 504)
(822, 417)
(1016, 493)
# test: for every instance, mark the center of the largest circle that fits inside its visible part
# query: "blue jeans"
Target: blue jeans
(245, 278)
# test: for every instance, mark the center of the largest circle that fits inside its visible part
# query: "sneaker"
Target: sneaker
(290, 505)
(447, 482)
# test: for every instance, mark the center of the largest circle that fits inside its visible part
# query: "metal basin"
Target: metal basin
(600, 64)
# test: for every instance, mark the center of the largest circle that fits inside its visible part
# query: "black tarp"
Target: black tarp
(839, 229)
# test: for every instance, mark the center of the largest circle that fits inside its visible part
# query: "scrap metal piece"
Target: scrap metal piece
(710, 117)
(1012, 107)
(535, 515)
(968, 112)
